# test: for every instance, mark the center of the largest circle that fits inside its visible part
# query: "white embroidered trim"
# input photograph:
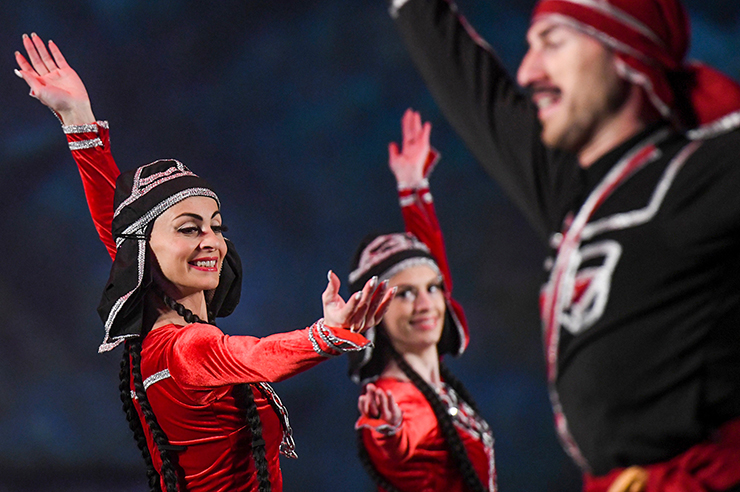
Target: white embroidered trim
(85, 144)
(408, 263)
(107, 344)
(465, 419)
(645, 214)
(334, 342)
(406, 201)
(87, 128)
(315, 343)
(156, 377)
(287, 444)
(381, 248)
(424, 183)
(139, 226)
(717, 127)
(142, 186)
(621, 16)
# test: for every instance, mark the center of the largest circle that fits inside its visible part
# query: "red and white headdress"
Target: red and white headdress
(651, 39)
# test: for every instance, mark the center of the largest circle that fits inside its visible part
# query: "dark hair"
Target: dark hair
(243, 396)
(451, 437)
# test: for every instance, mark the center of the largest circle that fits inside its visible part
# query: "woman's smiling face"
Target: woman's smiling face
(415, 317)
(189, 246)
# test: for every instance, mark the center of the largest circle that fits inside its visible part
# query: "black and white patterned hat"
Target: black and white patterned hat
(141, 196)
(385, 255)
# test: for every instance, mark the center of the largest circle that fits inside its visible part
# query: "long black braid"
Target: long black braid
(243, 396)
(452, 438)
(133, 421)
(244, 399)
(168, 470)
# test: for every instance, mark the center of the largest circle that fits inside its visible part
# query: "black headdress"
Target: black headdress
(141, 196)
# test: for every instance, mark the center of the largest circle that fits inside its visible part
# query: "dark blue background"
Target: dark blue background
(287, 108)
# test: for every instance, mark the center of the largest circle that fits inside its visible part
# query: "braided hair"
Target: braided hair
(243, 396)
(452, 438)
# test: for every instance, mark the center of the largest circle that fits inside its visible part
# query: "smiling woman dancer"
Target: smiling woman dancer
(197, 400)
(419, 429)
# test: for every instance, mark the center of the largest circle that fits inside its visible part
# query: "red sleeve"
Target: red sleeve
(90, 146)
(204, 357)
(417, 207)
(420, 218)
(385, 444)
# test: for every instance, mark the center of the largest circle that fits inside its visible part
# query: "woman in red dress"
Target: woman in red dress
(198, 401)
(419, 429)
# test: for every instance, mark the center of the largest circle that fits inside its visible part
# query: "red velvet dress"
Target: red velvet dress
(190, 371)
(415, 456)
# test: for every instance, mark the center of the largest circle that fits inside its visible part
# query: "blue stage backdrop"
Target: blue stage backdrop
(287, 107)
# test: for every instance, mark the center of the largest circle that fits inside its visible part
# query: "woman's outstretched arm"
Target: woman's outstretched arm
(57, 86)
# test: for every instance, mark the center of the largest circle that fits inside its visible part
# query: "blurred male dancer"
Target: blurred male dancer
(627, 159)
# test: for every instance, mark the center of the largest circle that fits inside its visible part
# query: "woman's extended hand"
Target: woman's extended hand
(363, 309)
(408, 163)
(378, 404)
(53, 82)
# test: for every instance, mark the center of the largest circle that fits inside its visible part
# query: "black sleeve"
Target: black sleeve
(484, 105)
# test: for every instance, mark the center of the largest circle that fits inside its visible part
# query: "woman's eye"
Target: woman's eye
(188, 230)
(406, 295)
(219, 229)
(433, 289)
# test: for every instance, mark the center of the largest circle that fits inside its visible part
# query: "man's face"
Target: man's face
(574, 84)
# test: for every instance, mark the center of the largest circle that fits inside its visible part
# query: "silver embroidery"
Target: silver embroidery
(85, 144)
(110, 345)
(622, 17)
(406, 201)
(287, 445)
(156, 377)
(465, 419)
(315, 343)
(724, 124)
(90, 127)
(142, 186)
(337, 343)
(381, 248)
(408, 263)
(139, 226)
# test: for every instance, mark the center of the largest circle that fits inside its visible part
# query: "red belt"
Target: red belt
(711, 466)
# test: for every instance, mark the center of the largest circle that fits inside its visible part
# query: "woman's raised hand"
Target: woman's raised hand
(375, 403)
(408, 163)
(363, 309)
(53, 81)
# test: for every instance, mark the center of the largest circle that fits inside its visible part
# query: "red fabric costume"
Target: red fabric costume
(190, 371)
(415, 456)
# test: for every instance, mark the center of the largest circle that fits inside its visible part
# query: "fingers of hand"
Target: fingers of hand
(375, 302)
(59, 59)
(373, 411)
(394, 411)
(381, 401)
(357, 319)
(46, 59)
(383, 306)
(393, 152)
(33, 54)
(332, 287)
(22, 62)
